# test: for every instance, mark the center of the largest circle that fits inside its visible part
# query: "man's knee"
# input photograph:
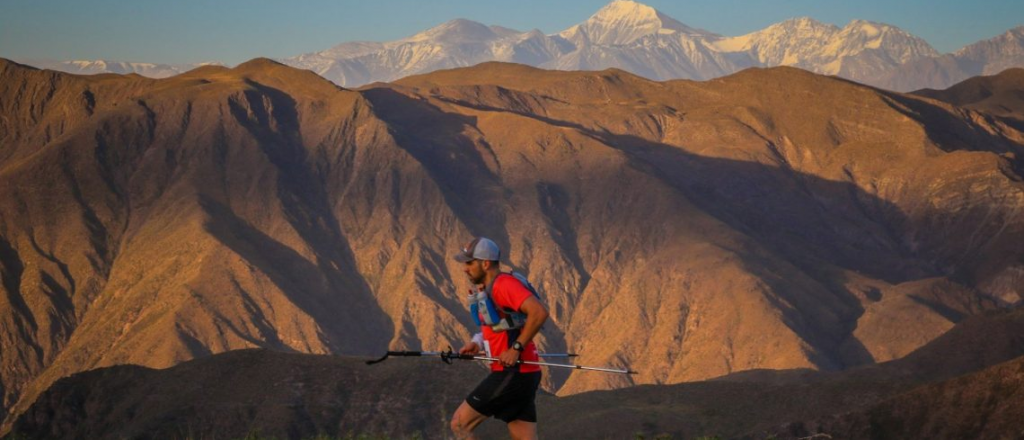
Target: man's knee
(522, 430)
(462, 425)
(456, 425)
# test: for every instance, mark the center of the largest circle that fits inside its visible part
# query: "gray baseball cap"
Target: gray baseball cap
(481, 248)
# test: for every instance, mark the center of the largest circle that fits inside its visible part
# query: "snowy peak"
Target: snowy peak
(802, 23)
(801, 27)
(461, 31)
(625, 21)
(992, 56)
(112, 66)
(782, 43)
(874, 31)
(898, 44)
(867, 28)
(92, 67)
(825, 48)
(1008, 44)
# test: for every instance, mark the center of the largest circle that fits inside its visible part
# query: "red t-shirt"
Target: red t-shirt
(508, 293)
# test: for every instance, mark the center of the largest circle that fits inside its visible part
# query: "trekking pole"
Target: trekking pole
(450, 354)
(545, 364)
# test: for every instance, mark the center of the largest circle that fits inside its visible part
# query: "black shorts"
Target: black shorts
(507, 395)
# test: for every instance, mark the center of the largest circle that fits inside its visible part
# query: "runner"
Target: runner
(510, 315)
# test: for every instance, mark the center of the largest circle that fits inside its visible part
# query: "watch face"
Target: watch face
(517, 346)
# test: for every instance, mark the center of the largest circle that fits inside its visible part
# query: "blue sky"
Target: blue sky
(232, 31)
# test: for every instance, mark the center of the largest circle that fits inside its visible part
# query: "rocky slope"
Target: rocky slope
(771, 219)
(156, 221)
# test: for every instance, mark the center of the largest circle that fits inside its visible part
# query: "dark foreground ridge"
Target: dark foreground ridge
(288, 395)
(252, 392)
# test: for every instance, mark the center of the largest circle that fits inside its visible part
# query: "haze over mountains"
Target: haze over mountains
(639, 39)
(688, 230)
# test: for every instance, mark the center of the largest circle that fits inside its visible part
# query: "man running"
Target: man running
(515, 317)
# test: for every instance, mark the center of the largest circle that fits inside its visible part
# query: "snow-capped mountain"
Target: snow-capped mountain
(624, 22)
(91, 67)
(794, 42)
(637, 38)
(457, 43)
(990, 57)
(859, 50)
(640, 39)
(634, 37)
(987, 57)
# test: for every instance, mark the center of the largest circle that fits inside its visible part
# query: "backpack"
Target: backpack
(484, 312)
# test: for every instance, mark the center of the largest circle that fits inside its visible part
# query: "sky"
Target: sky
(233, 31)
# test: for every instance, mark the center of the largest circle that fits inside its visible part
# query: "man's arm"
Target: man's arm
(536, 315)
(474, 346)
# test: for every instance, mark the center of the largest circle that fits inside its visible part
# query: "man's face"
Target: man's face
(475, 271)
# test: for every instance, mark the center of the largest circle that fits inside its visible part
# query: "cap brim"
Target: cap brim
(462, 258)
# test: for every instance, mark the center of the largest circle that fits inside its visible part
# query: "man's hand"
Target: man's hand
(509, 357)
(471, 349)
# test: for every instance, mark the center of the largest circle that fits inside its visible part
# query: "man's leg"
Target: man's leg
(465, 420)
(522, 430)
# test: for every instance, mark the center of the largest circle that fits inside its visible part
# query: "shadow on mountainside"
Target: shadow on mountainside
(784, 211)
(472, 190)
(475, 194)
(270, 116)
(951, 134)
(309, 286)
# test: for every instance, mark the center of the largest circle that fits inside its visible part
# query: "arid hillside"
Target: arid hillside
(773, 219)
(1000, 95)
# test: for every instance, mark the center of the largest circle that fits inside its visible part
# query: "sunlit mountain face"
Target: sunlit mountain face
(685, 229)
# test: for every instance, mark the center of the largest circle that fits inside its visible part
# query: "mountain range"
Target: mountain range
(95, 67)
(642, 40)
(686, 229)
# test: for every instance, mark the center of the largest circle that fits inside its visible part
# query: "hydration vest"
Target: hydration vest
(484, 312)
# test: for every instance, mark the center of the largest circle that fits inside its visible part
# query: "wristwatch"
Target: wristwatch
(517, 346)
